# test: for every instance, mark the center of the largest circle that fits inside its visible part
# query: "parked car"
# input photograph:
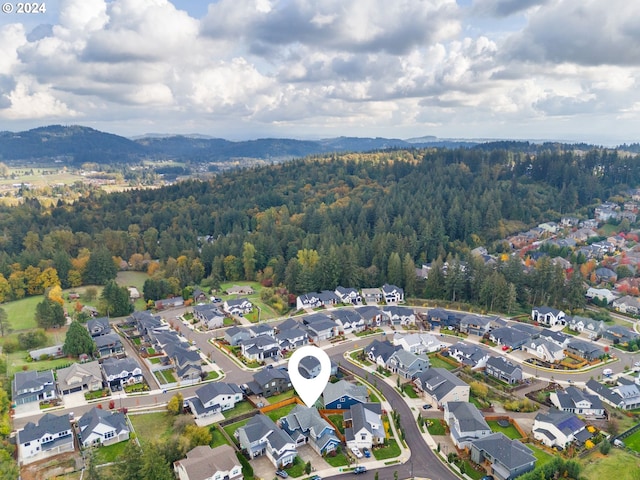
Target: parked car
(367, 452)
(426, 406)
(282, 473)
(359, 470)
(356, 451)
(487, 477)
(316, 477)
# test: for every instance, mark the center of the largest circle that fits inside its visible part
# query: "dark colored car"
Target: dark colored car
(359, 470)
(426, 406)
(367, 452)
(487, 477)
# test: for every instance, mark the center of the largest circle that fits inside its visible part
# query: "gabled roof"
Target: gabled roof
(503, 365)
(568, 423)
(315, 318)
(306, 420)
(49, 423)
(288, 324)
(557, 337)
(335, 391)
(261, 328)
(364, 416)
(267, 375)
(398, 311)
(235, 330)
(89, 370)
(545, 310)
(344, 316)
(260, 426)
(96, 416)
(510, 336)
(438, 382)
(468, 416)
(115, 366)
(203, 462)
(210, 391)
(32, 380)
(107, 340)
(510, 453)
(99, 324)
(237, 302)
(573, 395)
(369, 312)
(380, 349)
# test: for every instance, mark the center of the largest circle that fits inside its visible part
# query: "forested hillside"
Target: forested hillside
(352, 219)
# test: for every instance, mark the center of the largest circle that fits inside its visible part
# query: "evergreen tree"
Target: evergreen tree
(394, 270)
(409, 274)
(78, 341)
(5, 326)
(115, 300)
(435, 283)
(49, 314)
(128, 466)
(100, 267)
(153, 464)
(249, 260)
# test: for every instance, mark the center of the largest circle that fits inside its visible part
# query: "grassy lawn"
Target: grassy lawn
(542, 456)
(373, 398)
(97, 394)
(435, 426)
(21, 313)
(18, 362)
(471, 472)
(217, 438)
(338, 422)
(297, 469)
(282, 396)
(212, 375)
(239, 409)
(165, 376)
(228, 322)
(410, 392)
(280, 412)
(152, 426)
(619, 465)
(155, 360)
(132, 279)
(232, 427)
(355, 355)
(509, 431)
(109, 453)
(633, 441)
(439, 363)
(392, 450)
(340, 460)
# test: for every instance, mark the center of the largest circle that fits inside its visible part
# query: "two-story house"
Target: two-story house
(574, 400)
(418, 343)
(238, 306)
(101, 427)
(465, 422)
(121, 372)
(342, 395)
(558, 429)
(548, 316)
(261, 436)
(32, 386)
(504, 370)
(348, 295)
(407, 364)
(98, 326)
(349, 321)
(440, 386)
(206, 463)
(305, 425)
(213, 398)
(508, 458)
(470, 355)
(392, 295)
(51, 436)
(270, 381)
(363, 425)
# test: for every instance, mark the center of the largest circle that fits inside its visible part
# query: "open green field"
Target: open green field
(21, 313)
(110, 453)
(266, 312)
(132, 279)
(633, 441)
(152, 426)
(509, 431)
(18, 362)
(618, 465)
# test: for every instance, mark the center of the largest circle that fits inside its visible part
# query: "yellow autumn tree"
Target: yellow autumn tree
(55, 294)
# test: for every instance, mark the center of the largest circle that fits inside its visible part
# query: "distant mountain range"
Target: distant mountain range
(78, 144)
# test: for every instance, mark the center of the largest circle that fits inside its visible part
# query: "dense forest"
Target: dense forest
(350, 219)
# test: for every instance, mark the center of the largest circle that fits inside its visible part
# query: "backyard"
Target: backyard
(542, 456)
(619, 465)
(232, 427)
(152, 426)
(509, 431)
(437, 362)
(110, 453)
(633, 441)
(337, 420)
(278, 413)
(239, 409)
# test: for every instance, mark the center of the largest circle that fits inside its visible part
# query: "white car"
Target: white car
(356, 451)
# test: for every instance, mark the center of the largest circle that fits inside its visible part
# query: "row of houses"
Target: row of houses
(389, 294)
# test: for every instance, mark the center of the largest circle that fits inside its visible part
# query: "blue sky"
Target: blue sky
(520, 69)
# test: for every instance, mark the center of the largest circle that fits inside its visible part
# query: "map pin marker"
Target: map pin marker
(309, 389)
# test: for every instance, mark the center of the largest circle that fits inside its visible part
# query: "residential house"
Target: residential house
(626, 397)
(605, 275)
(475, 325)
(548, 316)
(504, 370)
(594, 328)
(392, 294)
(51, 436)
(292, 338)
(54, 351)
(134, 293)
(418, 343)
(98, 326)
(379, 352)
(308, 301)
(121, 372)
(236, 335)
(569, 221)
(465, 422)
(210, 316)
(508, 458)
(400, 315)
(363, 425)
(349, 321)
(186, 361)
(287, 324)
(627, 304)
(619, 334)
(372, 295)
(544, 350)
(440, 386)
(206, 463)
(199, 296)
(407, 364)
(342, 395)
(373, 316)
(320, 327)
(559, 429)
(109, 344)
(238, 306)
(586, 350)
(80, 377)
(261, 436)
(348, 295)
(589, 223)
(559, 338)
(32, 386)
(305, 425)
(328, 298)
(214, 398)
(102, 427)
(262, 329)
(260, 348)
(549, 227)
(574, 400)
(172, 302)
(510, 337)
(270, 381)
(470, 355)
(146, 322)
(240, 290)
(583, 234)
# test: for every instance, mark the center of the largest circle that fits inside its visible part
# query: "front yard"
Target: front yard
(165, 376)
(435, 426)
(392, 450)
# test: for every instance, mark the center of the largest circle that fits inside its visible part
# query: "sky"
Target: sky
(242, 69)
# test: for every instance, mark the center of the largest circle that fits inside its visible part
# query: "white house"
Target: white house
(466, 423)
(363, 425)
(558, 429)
(548, 316)
(601, 294)
(213, 398)
(206, 463)
(261, 436)
(418, 342)
(51, 436)
(101, 427)
(238, 306)
(627, 304)
(392, 294)
(574, 400)
(544, 349)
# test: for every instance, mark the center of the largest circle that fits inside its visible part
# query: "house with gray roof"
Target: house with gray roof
(559, 338)
(407, 364)
(380, 352)
(121, 371)
(328, 298)
(210, 316)
(238, 306)
(627, 304)
(587, 350)
(186, 362)
(509, 458)
(559, 429)
(342, 395)
(262, 329)
(261, 436)
(593, 328)
(470, 355)
(348, 321)
(214, 397)
(80, 377)
(619, 334)
(235, 335)
(98, 326)
(372, 315)
(102, 427)
(109, 344)
(509, 336)
(32, 386)
(206, 463)
(372, 295)
(305, 425)
(544, 349)
(548, 316)
(348, 295)
(319, 330)
(574, 400)
(475, 325)
(440, 386)
(626, 397)
(465, 422)
(308, 301)
(399, 315)
(51, 436)
(504, 370)
(392, 294)
(259, 348)
(270, 381)
(418, 343)
(363, 425)
(292, 338)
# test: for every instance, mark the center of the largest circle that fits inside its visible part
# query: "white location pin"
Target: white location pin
(309, 389)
